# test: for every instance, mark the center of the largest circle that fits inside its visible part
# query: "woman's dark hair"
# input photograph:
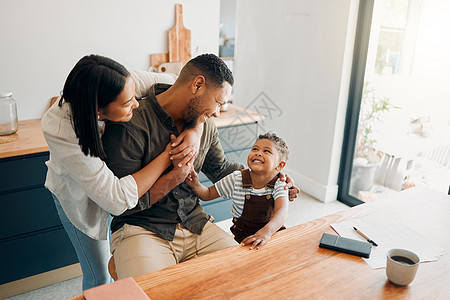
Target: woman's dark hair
(93, 83)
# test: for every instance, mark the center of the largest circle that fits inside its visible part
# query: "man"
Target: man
(174, 228)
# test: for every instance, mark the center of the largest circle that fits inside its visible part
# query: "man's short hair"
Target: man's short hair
(281, 146)
(210, 66)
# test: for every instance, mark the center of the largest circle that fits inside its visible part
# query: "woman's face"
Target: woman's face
(121, 110)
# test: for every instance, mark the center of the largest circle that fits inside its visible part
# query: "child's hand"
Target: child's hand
(259, 239)
(192, 178)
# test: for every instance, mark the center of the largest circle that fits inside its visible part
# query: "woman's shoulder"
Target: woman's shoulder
(57, 120)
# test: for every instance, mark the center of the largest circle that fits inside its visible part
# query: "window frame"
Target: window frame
(360, 52)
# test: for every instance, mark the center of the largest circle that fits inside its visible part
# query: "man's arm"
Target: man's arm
(169, 181)
(217, 165)
(182, 164)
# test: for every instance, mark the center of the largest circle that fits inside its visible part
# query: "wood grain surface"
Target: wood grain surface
(29, 140)
(157, 59)
(179, 39)
(292, 266)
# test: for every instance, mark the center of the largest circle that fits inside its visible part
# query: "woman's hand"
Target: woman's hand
(188, 142)
(168, 148)
(293, 190)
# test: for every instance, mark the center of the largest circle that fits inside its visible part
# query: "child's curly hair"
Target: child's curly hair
(282, 147)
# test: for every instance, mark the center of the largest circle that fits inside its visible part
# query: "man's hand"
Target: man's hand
(259, 239)
(183, 153)
(182, 167)
(188, 142)
(293, 190)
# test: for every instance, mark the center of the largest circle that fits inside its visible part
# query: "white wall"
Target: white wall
(41, 40)
(299, 54)
(228, 17)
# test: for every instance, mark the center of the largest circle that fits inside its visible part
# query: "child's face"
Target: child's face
(264, 157)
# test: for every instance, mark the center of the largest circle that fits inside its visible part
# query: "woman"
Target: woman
(84, 189)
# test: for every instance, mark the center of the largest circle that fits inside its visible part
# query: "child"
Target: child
(260, 202)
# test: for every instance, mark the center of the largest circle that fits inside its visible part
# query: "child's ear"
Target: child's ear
(280, 166)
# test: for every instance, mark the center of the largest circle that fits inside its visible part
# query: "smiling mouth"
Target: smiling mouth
(258, 161)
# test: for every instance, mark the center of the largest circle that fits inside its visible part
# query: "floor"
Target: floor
(303, 209)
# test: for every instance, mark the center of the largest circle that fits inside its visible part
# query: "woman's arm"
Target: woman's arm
(144, 80)
(169, 181)
(148, 175)
(69, 166)
(182, 156)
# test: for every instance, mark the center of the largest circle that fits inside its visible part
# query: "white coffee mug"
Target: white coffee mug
(401, 266)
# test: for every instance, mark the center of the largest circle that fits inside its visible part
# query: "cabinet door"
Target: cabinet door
(35, 253)
(27, 211)
(32, 239)
(22, 172)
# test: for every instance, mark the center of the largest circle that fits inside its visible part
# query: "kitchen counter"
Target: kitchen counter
(236, 115)
(29, 139)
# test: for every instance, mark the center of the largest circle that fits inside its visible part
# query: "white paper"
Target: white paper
(388, 234)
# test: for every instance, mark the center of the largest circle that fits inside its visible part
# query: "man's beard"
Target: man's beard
(192, 112)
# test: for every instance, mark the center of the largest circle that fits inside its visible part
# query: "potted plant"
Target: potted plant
(366, 156)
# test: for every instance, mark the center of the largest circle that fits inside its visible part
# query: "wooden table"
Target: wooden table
(292, 266)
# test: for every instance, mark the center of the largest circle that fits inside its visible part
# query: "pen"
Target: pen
(365, 236)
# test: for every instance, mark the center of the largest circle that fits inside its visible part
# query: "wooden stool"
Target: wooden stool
(112, 268)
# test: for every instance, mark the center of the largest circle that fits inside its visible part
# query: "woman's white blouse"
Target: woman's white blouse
(86, 188)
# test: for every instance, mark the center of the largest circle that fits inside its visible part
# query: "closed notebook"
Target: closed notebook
(123, 289)
(345, 245)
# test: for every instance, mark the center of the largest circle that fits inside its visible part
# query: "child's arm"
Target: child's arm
(263, 235)
(204, 193)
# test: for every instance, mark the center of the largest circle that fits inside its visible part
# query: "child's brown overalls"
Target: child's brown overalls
(257, 212)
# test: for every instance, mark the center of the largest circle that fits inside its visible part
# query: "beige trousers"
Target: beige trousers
(138, 251)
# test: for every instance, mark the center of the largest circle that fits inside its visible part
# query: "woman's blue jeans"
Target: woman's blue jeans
(93, 255)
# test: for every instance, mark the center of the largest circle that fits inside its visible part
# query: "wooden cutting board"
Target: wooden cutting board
(157, 59)
(179, 39)
(170, 67)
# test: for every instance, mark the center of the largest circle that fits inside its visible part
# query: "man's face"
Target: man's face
(206, 105)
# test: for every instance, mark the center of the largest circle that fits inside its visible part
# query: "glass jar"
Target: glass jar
(8, 114)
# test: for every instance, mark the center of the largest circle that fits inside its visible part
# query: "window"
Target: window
(397, 133)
